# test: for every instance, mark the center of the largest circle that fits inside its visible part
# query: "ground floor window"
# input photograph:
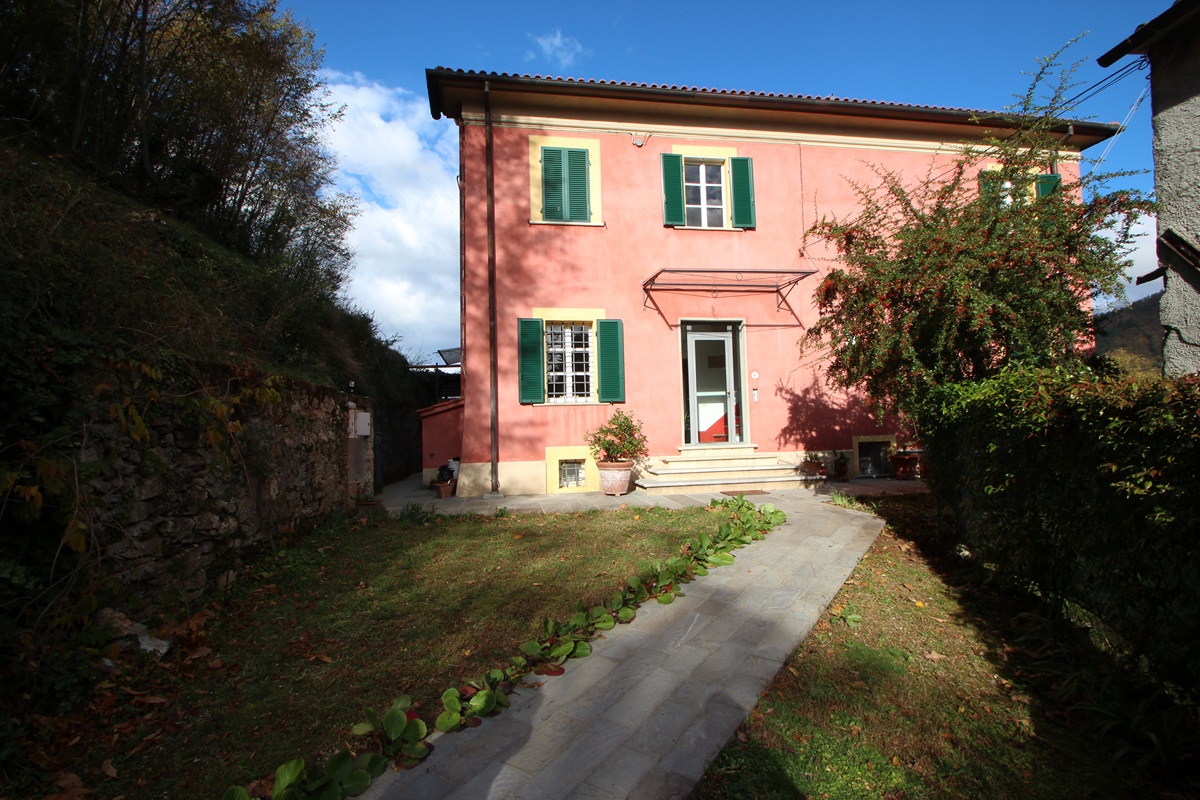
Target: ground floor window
(571, 474)
(579, 361)
(568, 362)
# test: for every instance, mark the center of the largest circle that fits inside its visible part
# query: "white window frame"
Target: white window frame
(572, 373)
(705, 206)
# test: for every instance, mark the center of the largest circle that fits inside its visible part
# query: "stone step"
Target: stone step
(722, 472)
(707, 484)
(701, 460)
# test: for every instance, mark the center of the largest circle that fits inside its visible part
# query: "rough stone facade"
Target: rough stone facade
(177, 516)
(1175, 90)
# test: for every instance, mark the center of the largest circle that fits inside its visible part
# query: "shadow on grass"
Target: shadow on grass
(1067, 664)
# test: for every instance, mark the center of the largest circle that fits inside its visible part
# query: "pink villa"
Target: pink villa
(642, 247)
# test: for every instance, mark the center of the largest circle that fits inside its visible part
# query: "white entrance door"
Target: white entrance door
(712, 402)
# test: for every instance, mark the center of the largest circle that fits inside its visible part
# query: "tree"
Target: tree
(948, 280)
(211, 108)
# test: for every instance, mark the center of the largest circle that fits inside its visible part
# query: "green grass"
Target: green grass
(921, 682)
(351, 617)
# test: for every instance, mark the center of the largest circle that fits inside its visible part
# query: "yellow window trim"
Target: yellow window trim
(1033, 172)
(591, 475)
(536, 143)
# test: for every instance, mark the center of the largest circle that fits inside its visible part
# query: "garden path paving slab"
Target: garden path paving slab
(666, 692)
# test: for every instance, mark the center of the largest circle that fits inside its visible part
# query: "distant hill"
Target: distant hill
(1132, 334)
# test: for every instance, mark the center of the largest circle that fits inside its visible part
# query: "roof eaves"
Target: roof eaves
(1149, 32)
(748, 99)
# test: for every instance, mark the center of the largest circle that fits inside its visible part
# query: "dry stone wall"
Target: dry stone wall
(178, 513)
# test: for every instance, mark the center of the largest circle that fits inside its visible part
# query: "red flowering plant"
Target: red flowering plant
(949, 279)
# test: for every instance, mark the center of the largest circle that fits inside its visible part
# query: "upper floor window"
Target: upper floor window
(565, 185)
(1007, 190)
(701, 192)
(564, 180)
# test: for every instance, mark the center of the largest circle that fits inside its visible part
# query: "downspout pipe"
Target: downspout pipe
(491, 245)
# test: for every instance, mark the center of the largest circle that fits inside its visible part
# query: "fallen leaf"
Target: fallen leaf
(742, 737)
(896, 761)
(934, 655)
(68, 780)
(919, 604)
(199, 652)
(108, 769)
(150, 701)
(858, 685)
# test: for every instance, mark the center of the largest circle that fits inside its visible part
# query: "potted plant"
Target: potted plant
(841, 466)
(445, 482)
(365, 501)
(904, 462)
(617, 445)
(811, 465)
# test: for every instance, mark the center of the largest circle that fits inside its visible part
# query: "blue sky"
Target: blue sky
(402, 164)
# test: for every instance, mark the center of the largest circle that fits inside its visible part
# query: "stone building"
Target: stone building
(1171, 43)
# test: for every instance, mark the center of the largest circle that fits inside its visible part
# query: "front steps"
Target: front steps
(728, 468)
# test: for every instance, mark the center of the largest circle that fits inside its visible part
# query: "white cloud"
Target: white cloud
(560, 50)
(401, 164)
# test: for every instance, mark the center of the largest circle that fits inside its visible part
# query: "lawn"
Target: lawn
(922, 680)
(352, 616)
(925, 680)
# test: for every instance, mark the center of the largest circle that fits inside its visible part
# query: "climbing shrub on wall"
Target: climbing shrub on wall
(1086, 487)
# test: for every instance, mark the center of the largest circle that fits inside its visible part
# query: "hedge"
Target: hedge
(1087, 488)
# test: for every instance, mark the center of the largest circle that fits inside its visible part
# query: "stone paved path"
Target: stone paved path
(656, 701)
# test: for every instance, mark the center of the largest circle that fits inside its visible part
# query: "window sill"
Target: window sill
(571, 224)
(569, 404)
(715, 230)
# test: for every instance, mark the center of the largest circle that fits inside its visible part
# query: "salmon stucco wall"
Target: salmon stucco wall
(786, 403)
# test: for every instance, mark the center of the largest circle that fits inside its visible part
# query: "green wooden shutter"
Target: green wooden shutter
(990, 185)
(577, 205)
(742, 171)
(531, 360)
(1048, 183)
(610, 360)
(565, 185)
(553, 189)
(672, 175)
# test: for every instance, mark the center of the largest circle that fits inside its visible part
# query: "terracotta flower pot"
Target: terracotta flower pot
(904, 466)
(615, 476)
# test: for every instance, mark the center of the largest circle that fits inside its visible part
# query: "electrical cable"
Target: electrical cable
(1132, 110)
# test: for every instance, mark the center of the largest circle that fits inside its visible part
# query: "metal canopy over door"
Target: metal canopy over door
(711, 364)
